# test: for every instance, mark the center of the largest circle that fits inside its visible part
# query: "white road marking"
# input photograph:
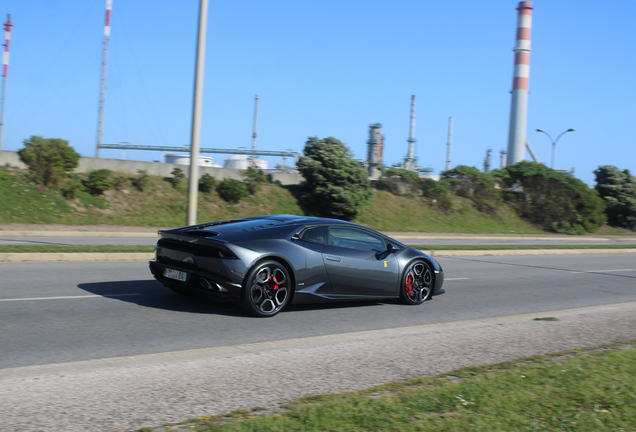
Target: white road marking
(69, 297)
(447, 279)
(603, 271)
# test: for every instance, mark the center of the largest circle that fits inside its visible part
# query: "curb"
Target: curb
(91, 234)
(144, 256)
(452, 253)
(76, 257)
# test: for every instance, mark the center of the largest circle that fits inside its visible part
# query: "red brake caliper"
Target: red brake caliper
(274, 279)
(409, 285)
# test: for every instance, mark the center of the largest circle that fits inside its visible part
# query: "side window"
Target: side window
(353, 238)
(316, 235)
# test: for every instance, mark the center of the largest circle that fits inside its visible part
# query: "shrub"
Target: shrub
(253, 179)
(207, 183)
(51, 160)
(471, 183)
(232, 190)
(71, 187)
(438, 195)
(99, 181)
(142, 181)
(547, 197)
(177, 177)
(399, 182)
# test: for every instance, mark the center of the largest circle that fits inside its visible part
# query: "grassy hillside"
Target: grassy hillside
(160, 204)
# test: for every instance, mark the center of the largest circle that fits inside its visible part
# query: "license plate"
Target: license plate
(175, 274)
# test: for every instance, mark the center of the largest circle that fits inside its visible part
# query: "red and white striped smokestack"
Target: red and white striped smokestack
(100, 115)
(519, 108)
(109, 7)
(7, 38)
(5, 69)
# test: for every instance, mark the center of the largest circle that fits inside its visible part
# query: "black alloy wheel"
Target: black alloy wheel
(266, 289)
(417, 283)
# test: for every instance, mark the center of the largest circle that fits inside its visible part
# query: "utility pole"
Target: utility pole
(193, 181)
(100, 116)
(5, 68)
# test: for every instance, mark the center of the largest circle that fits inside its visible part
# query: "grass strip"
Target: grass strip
(128, 248)
(582, 390)
(519, 247)
(74, 248)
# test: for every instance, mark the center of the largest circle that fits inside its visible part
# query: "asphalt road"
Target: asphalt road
(460, 240)
(60, 312)
(102, 347)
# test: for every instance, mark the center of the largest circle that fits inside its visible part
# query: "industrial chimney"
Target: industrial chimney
(519, 108)
(375, 145)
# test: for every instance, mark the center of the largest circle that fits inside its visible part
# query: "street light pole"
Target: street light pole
(554, 142)
(193, 180)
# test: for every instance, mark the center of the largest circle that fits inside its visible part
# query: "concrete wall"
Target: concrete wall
(86, 164)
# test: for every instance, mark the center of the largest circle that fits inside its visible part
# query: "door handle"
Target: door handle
(332, 258)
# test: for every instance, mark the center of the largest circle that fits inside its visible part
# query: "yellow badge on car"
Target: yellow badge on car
(384, 263)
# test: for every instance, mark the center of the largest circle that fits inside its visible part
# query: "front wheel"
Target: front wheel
(266, 289)
(417, 284)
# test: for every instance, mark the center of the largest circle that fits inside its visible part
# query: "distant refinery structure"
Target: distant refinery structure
(375, 148)
(246, 156)
(410, 161)
(519, 108)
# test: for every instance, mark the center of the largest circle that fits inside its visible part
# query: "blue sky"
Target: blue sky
(327, 69)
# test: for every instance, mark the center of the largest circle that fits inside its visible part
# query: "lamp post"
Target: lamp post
(554, 142)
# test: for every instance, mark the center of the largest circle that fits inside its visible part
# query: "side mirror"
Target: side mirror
(295, 237)
(390, 248)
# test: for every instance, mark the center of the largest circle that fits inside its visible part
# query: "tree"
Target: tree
(618, 190)
(51, 160)
(554, 200)
(335, 185)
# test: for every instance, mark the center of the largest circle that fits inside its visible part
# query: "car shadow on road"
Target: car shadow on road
(152, 294)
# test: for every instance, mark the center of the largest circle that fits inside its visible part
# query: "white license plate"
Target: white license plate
(175, 274)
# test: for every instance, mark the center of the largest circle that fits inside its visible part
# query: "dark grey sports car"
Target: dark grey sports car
(265, 263)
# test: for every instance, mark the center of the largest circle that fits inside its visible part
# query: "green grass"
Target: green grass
(583, 391)
(398, 213)
(126, 248)
(161, 205)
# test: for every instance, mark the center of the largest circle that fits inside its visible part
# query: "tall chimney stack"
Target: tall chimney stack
(409, 163)
(519, 107)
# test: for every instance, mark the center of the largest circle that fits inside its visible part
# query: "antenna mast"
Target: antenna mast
(5, 68)
(109, 6)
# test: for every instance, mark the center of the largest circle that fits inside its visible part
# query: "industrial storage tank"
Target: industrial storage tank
(241, 162)
(204, 161)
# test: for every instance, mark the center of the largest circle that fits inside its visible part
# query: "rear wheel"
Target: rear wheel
(266, 290)
(417, 283)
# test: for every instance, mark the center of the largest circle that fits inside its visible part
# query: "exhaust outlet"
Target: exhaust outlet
(208, 285)
(212, 286)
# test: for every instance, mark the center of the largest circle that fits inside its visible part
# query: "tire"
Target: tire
(417, 283)
(267, 289)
